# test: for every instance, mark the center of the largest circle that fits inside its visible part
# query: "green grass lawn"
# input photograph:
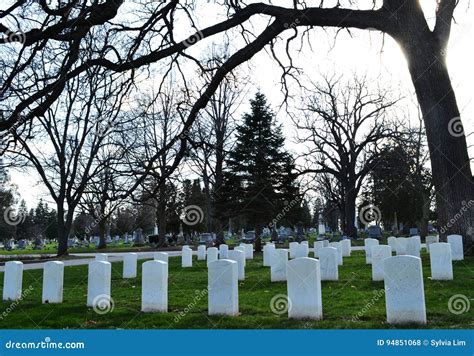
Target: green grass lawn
(342, 300)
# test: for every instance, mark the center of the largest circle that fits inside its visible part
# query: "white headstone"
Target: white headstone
(130, 265)
(53, 281)
(404, 291)
(186, 257)
(413, 246)
(318, 245)
(302, 250)
(378, 254)
(12, 280)
(338, 247)
(457, 249)
(268, 251)
(223, 287)
(431, 240)
(401, 245)
(155, 286)
(249, 251)
(242, 249)
(101, 257)
(325, 243)
(223, 251)
(441, 261)
(212, 255)
(161, 256)
(304, 288)
(98, 284)
(417, 240)
(201, 252)
(346, 247)
(293, 247)
(305, 243)
(328, 263)
(392, 242)
(239, 257)
(368, 243)
(278, 267)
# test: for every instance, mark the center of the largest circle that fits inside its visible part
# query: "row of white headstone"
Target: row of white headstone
(330, 256)
(402, 274)
(405, 300)
(441, 254)
(154, 281)
(412, 245)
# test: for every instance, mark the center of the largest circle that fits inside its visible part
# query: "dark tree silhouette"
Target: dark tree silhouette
(259, 179)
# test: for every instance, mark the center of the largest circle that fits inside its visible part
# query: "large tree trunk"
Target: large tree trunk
(102, 233)
(208, 202)
(219, 224)
(63, 232)
(219, 233)
(162, 217)
(349, 212)
(450, 163)
(258, 238)
(62, 237)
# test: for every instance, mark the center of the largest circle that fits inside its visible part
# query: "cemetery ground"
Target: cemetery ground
(355, 301)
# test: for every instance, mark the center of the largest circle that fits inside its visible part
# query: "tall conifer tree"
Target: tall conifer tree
(259, 179)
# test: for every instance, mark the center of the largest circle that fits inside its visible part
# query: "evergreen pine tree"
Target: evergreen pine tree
(259, 179)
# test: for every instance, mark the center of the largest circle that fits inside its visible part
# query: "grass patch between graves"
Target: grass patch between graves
(352, 302)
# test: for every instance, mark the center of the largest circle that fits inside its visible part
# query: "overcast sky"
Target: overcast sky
(359, 51)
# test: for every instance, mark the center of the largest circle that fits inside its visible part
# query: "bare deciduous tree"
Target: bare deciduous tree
(343, 126)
